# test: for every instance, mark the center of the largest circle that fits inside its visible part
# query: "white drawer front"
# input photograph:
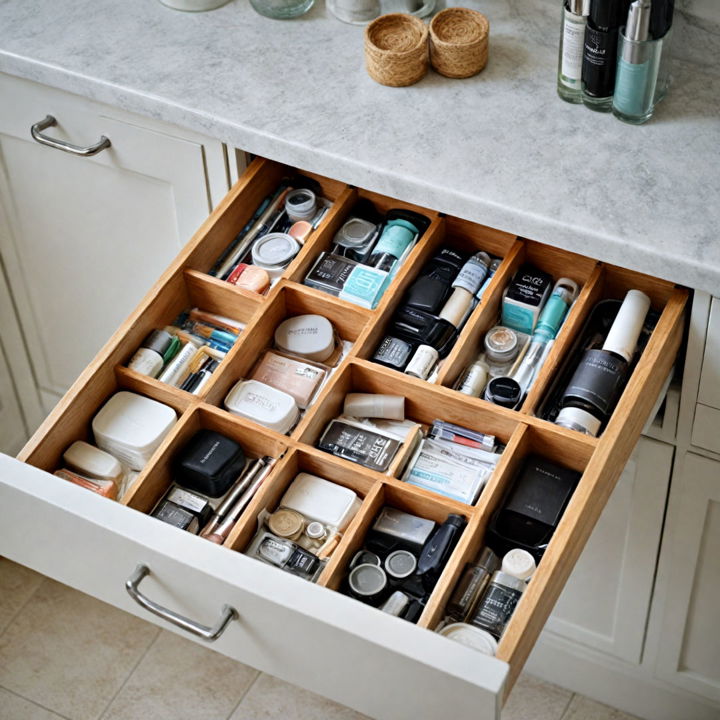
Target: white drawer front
(307, 635)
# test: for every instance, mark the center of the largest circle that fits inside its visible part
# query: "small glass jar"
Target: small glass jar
(498, 603)
(282, 9)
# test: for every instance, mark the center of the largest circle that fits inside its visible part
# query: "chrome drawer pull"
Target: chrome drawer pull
(49, 121)
(207, 633)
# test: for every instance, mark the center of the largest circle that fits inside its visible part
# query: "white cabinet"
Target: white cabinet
(83, 238)
(688, 653)
(605, 603)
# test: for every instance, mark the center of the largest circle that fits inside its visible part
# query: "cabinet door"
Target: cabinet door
(689, 647)
(605, 603)
(83, 238)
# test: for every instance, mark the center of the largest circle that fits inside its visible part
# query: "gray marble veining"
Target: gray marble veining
(499, 148)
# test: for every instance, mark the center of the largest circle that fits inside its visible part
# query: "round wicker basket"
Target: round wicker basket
(396, 49)
(459, 42)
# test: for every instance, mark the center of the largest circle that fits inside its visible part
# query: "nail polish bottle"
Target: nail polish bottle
(430, 290)
(595, 387)
(572, 42)
(637, 69)
(600, 52)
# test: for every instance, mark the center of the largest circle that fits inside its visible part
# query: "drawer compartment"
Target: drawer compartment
(373, 662)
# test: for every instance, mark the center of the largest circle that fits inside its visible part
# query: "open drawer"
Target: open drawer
(307, 633)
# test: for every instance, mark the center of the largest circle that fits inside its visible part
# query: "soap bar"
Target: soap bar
(310, 336)
(365, 286)
(263, 404)
(296, 378)
(321, 500)
(92, 462)
(210, 463)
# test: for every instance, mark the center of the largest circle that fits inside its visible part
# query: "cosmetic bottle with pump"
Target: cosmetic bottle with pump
(595, 387)
(637, 69)
(600, 52)
(572, 43)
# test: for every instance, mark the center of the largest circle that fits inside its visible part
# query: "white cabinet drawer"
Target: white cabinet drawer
(358, 656)
(379, 665)
(709, 391)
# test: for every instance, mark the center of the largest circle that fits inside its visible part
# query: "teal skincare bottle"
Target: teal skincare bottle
(637, 69)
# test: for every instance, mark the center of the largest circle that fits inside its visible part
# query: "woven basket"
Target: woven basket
(396, 49)
(459, 42)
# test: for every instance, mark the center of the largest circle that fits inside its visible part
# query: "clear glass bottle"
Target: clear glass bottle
(572, 38)
(282, 9)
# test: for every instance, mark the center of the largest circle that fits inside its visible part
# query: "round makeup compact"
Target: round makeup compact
(400, 564)
(501, 344)
(286, 523)
(310, 336)
(274, 251)
(471, 636)
(367, 582)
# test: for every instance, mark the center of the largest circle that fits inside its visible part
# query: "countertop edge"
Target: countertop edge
(676, 268)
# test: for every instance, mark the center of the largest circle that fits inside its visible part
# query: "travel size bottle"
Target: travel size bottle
(637, 70)
(595, 387)
(600, 52)
(572, 39)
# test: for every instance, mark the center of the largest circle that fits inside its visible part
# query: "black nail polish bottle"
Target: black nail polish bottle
(600, 53)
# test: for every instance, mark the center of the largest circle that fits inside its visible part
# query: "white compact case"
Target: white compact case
(263, 404)
(93, 462)
(321, 500)
(309, 336)
(131, 427)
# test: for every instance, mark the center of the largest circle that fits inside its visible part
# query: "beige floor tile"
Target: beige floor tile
(17, 584)
(583, 708)
(273, 699)
(69, 652)
(13, 707)
(533, 699)
(179, 679)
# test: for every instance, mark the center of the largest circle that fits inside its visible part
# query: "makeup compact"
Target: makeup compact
(365, 286)
(209, 463)
(355, 238)
(131, 427)
(309, 336)
(273, 252)
(263, 404)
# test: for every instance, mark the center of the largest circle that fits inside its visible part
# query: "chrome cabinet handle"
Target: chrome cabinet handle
(207, 633)
(49, 121)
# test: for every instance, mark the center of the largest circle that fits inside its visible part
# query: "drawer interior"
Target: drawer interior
(187, 284)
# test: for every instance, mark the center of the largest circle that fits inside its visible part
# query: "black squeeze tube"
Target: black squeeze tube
(437, 549)
(592, 336)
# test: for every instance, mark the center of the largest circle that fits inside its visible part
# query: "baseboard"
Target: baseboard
(631, 688)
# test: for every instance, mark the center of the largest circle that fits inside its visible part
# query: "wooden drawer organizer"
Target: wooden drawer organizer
(186, 284)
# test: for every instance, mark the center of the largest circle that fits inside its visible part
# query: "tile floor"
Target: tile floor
(65, 655)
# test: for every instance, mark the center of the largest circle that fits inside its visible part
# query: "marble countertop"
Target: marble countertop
(499, 148)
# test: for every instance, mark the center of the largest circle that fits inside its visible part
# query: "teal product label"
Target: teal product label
(365, 286)
(631, 88)
(518, 317)
(396, 238)
(551, 317)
